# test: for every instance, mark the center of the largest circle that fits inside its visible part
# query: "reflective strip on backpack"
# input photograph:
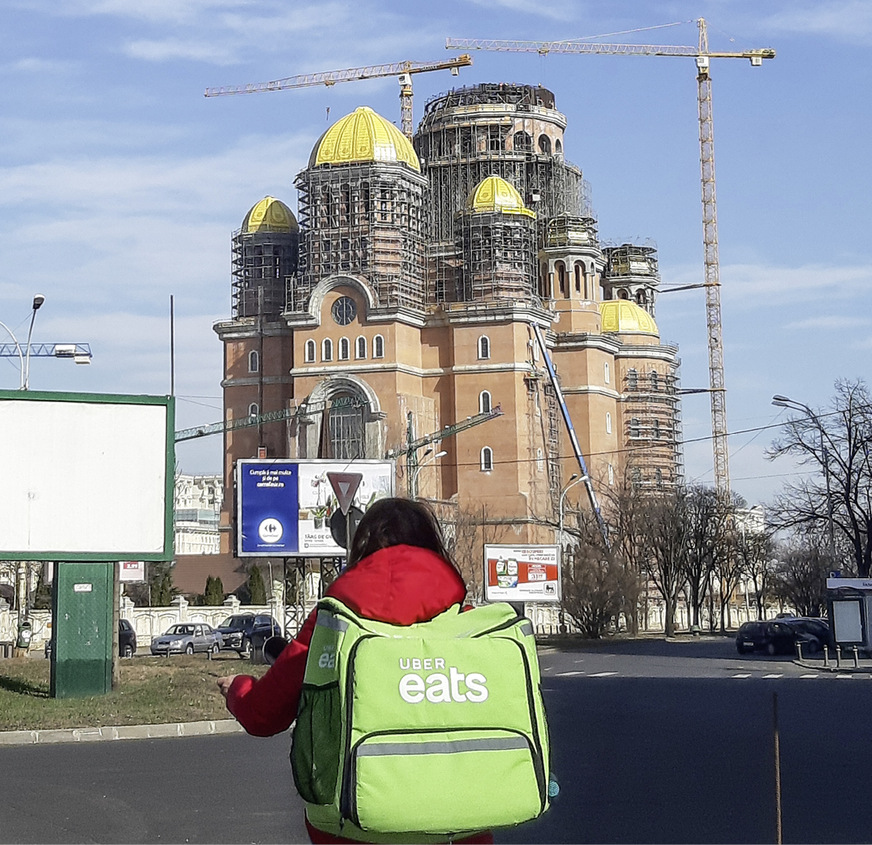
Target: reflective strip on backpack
(385, 749)
(527, 628)
(328, 620)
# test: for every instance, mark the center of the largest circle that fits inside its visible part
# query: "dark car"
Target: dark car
(126, 640)
(242, 629)
(780, 636)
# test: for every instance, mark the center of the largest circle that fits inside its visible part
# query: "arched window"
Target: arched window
(487, 459)
(622, 294)
(327, 349)
(361, 347)
(558, 147)
(632, 379)
(540, 460)
(523, 143)
(578, 277)
(561, 278)
(658, 477)
(655, 429)
(611, 474)
(544, 145)
(346, 427)
(344, 349)
(608, 423)
(607, 373)
(253, 361)
(253, 409)
(636, 475)
(483, 347)
(634, 427)
(484, 402)
(655, 380)
(378, 347)
(309, 352)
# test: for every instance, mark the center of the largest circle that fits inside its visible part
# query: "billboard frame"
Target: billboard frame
(531, 558)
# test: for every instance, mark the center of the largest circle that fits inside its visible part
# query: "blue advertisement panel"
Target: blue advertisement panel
(269, 508)
(285, 506)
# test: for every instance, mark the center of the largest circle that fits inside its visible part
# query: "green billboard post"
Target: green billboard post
(88, 483)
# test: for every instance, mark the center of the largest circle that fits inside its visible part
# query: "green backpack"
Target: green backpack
(432, 729)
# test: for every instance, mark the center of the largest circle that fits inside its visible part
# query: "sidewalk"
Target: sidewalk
(178, 729)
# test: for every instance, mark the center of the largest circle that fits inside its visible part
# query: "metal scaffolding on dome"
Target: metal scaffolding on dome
(362, 218)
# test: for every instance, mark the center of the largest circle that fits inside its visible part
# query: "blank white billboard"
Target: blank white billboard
(85, 476)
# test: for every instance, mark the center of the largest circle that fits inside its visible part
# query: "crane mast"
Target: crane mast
(402, 70)
(702, 54)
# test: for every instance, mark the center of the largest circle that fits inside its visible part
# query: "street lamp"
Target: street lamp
(785, 402)
(423, 463)
(18, 351)
(37, 304)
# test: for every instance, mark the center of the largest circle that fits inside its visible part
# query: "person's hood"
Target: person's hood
(400, 585)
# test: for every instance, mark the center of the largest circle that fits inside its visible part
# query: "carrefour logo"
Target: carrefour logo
(437, 686)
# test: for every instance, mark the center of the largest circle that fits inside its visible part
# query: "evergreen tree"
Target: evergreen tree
(163, 591)
(256, 587)
(214, 594)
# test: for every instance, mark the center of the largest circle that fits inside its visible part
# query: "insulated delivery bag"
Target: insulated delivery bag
(434, 729)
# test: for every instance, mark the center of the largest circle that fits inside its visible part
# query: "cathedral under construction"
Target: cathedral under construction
(403, 298)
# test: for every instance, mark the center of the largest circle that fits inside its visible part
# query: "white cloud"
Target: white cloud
(829, 323)
(845, 20)
(560, 11)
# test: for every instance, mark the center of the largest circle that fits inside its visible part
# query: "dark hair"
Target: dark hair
(394, 522)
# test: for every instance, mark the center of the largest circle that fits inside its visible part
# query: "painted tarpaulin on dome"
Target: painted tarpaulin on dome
(363, 135)
(270, 215)
(622, 316)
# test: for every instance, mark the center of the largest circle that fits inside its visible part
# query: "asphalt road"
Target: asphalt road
(653, 742)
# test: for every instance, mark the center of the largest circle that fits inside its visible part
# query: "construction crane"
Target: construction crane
(702, 55)
(402, 70)
(412, 445)
(232, 425)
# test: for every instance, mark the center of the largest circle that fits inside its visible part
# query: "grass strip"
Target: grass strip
(152, 691)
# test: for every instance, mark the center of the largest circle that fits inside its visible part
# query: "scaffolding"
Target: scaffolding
(506, 130)
(652, 428)
(631, 272)
(363, 218)
(262, 264)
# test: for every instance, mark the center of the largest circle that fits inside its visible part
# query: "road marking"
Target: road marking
(742, 676)
(779, 675)
(844, 676)
(565, 674)
(602, 674)
(810, 676)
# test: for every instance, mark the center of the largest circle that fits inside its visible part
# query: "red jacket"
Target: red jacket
(400, 585)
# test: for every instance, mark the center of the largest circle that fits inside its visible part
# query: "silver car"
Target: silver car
(186, 638)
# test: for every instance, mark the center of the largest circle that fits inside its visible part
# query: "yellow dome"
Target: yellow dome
(496, 194)
(270, 215)
(363, 135)
(622, 316)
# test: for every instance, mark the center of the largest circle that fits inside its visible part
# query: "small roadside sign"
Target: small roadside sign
(344, 485)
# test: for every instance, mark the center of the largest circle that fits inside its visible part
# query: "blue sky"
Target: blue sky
(120, 183)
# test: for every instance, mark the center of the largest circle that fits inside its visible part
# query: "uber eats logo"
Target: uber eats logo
(437, 686)
(327, 660)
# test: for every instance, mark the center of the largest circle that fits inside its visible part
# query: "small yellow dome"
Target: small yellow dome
(496, 194)
(270, 215)
(622, 316)
(363, 135)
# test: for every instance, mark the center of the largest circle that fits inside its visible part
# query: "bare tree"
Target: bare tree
(467, 531)
(702, 510)
(755, 551)
(839, 442)
(664, 536)
(598, 585)
(800, 577)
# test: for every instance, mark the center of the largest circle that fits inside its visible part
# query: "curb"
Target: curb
(178, 729)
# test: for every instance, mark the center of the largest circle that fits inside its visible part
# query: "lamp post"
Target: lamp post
(419, 467)
(573, 480)
(785, 402)
(37, 304)
(20, 353)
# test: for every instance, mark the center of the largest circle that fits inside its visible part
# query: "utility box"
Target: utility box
(82, 632)
(849, 606)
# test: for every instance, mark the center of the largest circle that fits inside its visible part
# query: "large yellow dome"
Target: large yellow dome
(270, 215)
(496, 194)
(363, 135)
(623, 316)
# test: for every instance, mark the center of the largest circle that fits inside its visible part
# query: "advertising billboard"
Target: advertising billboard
(285, 506)
(522, 573)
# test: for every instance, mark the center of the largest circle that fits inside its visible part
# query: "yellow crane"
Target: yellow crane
(702, 55)
(402, 70)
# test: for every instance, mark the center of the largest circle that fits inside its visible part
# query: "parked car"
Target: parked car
(126, 640)
(242, 630)
(780, 636)
(186, 638)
